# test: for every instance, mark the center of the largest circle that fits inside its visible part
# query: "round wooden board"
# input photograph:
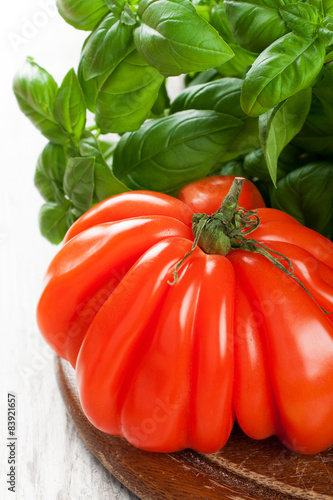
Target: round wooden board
(243, 469)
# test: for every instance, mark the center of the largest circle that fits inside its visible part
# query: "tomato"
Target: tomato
(172, 366)
(206, 195)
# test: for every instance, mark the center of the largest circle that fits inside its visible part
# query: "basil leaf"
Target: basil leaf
(169, 152)
(245, 141)
(218, 19)
(316, 135)
(306, 194)
(237, 66)
(323, 90)
(278, 126)
(174, 39)
(115, 5)
(325, 32)
(79, 182)
(290, 158)
(233, 167)
(90, 88)
(286, 67)
(49, 172)
(255, 24)
(106, 148)
(70, 107)
(82, 14)
(53, 221)
(221, 95)
(203, 7)
(327, 6)
(302, 18)
(255, 165)
(202, 77)
(35, 91)
(162, 101)
(127, 96)
(127, 16)
(105, 183)
(107, 46)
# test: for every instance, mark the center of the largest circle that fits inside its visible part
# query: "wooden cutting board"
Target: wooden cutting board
(243, 469)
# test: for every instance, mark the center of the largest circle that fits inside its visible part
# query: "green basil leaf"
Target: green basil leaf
(127, 96)
(245, 141)
(290, 158)
(107, 148)
(50, 171)
(70, 106)
(166, 153)
(105, 182)
(53, 221)
(316, 3)
(316, 135)
(221, 95)
(106, 46)
(79, 182)
(115, 5)
(218, 19)
(237, 66)
(35, 91)
(306, 194)
(325, 32)
(279, 125)
(255, 165)
(127, 16)
(174, 39)
(82, 14)
(162, 101)
(203, 7)
(256, 24)
(323, 90)
(302, 18)
(329, 57)
(90, 88)
(232, 167)
(327, 6)
(202, 77)
(286, 67)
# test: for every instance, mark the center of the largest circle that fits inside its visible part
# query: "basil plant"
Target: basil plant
(257, 101)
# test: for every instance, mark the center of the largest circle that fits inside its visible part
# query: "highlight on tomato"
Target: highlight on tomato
(179, 323)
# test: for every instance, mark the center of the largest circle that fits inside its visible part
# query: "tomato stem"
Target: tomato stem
(230, 202)
(228, 229)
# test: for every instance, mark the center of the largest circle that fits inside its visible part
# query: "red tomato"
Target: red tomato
(170, 367)
(206, 195)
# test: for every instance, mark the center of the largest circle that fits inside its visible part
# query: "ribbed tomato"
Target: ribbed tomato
(205, 195)
(170, 366)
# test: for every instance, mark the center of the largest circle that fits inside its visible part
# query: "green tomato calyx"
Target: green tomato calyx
(228, 229)
(217, 233)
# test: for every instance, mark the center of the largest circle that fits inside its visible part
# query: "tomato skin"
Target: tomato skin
(129, 205)
(170, 367)
(299, 357)
(77, 280)
(206, 195)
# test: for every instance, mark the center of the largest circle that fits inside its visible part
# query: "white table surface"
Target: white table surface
(52, 461)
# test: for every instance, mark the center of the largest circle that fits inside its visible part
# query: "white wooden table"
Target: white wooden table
(52, 463)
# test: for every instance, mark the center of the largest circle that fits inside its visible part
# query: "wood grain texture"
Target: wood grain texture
(243, 470)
